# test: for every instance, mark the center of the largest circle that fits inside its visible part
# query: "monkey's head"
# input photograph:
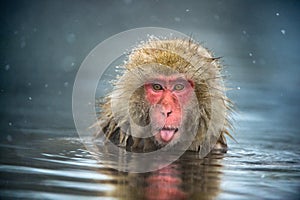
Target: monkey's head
(169, 91)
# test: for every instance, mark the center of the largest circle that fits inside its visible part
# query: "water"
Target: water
(39, 164)
(42, 46)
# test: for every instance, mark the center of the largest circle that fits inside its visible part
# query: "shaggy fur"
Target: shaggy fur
(180, 56)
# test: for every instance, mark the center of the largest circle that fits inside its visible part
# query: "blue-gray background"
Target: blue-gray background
(44, 42)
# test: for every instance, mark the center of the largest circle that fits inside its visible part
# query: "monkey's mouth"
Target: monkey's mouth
(167, 133)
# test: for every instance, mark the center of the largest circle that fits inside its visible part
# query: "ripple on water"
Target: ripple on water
(61, 168)
(256, 171)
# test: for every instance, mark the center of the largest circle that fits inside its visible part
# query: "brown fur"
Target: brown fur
(182, 56)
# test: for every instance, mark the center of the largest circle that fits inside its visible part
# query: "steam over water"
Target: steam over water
(43, 44)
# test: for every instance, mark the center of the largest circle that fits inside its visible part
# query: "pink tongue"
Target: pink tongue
(166, 135)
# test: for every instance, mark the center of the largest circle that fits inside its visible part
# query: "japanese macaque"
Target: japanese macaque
(171, 91)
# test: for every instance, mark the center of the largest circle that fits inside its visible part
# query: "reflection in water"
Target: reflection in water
(61, 168)
(187, 178)
(165, 183)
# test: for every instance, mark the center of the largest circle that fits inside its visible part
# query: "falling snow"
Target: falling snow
(71, 38)
(68, 63)
(7, 67)
(9, 138)
(283, 31)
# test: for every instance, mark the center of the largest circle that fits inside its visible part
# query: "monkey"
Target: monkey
(171, 91)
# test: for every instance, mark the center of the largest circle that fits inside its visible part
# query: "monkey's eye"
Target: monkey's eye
(179, 87)
(156, 86)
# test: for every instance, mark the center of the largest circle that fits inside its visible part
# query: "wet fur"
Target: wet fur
(183, 56)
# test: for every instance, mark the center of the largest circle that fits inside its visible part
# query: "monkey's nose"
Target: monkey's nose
(166, 112)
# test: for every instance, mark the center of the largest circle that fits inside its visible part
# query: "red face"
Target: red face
(168, 97)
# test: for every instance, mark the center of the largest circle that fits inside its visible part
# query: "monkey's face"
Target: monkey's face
(168, 97)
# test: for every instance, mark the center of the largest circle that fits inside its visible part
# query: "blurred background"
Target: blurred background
(43, 44)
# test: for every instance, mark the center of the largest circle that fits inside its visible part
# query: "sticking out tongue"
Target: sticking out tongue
(167, 134)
